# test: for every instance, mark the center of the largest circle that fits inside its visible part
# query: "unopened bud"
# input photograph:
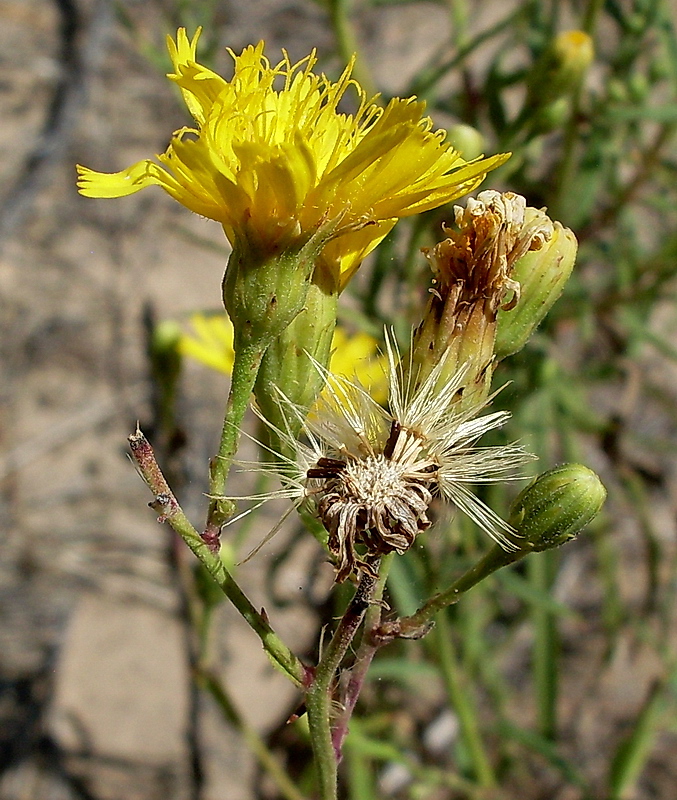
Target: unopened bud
(263, 291)
(639, 87)
(541, 275)
(555, 507)
(561, 69)
(469, 142)
(552, 116)
(287, 368)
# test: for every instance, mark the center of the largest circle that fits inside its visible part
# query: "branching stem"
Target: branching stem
(418, 624)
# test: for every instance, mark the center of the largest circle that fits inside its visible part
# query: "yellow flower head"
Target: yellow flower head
(273, 160)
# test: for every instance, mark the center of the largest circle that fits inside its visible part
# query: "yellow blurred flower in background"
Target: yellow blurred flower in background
(355, 357)
(212, 343)
(273, 160)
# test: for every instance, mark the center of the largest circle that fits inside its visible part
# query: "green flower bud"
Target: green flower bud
(552, 116)
(287, 366)
(541, 275)
(264, 291)
(639, 87)
(561, 69)
(617, 90)
(469, 142)
(555, 507)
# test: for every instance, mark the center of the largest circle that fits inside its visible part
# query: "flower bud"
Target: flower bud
(264, 291)
(287, 367)
(553, 80)
(541, 274)
(560, 70)
(639, 87)
(555, 507)
(469, 142)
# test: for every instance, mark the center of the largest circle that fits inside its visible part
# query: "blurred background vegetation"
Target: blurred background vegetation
(558, 678)
(585, 96)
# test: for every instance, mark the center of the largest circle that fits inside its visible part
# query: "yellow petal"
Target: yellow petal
(119, 184)
(213, 343)
(272, 159)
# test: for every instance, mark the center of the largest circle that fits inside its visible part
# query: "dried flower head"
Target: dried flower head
(473, 279)
(370, 475)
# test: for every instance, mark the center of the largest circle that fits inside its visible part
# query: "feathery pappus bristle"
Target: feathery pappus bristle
(370, 475)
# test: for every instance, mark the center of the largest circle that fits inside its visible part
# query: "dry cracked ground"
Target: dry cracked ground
(96, 701)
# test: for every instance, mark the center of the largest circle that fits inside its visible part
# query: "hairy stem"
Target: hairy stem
(170, 511)
(245, 369)
(365, 655)
(319, 695)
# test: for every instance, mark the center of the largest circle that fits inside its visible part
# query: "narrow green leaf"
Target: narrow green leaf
(633, 753)
(527, 592)
(664, 114)
(403, 671)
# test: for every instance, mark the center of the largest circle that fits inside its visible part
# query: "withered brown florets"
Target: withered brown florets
(369, 475)
(379, 501)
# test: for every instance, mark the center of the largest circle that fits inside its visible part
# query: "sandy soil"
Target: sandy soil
(96, 699)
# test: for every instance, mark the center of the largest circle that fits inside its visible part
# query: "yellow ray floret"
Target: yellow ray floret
(271, 156)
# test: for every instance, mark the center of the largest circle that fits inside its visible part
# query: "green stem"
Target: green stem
(459, 14)
(348, 44)
(245, 369)
(170, 511)
(566, 172)
(418, 624)
(319, 696)
(425, 81)
(592, 12)
(460, 699)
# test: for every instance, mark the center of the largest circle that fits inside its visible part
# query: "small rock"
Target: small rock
(122, 699)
